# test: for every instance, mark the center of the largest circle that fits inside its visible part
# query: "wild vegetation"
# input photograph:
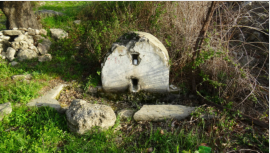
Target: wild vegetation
(220, 79)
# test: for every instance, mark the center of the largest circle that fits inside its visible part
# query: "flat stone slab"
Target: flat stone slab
(162, 112)
(49, 99)
(5, 109)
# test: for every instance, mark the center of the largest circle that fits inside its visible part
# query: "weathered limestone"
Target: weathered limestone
(48, 99)
(162, 112)
(21, 77)
(82, 116)
(138, 61)
(58, 33)
(5, 109)
(12, 32)
(10, 53)
(126, 113)
(42, 32)
(24, 45)
(77, 22)
(14, 63)
(19, 45)
(26, 54)
(44, 58)
(20, 38)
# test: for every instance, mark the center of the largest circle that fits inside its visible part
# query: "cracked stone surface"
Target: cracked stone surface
(48, 99)
(162, 112)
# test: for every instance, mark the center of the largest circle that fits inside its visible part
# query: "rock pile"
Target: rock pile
(24, 44)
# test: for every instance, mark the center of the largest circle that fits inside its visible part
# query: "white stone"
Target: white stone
(43, 32)
(82, 116)
(22, 77)
(26, 54)
(37, 31)
(5, 109)
(151, 73)
(10, 53)
(20, 38)
(5, 37)
(58, 33)
(14, 63)
(1, 33)
(19, 45)
(162, 112)
(31, 32)
(44, 58)
(126, 113)
(77, 22)
(48, 99)
(12, 32)
(15, 29)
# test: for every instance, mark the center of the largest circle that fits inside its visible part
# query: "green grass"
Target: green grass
(44, 130)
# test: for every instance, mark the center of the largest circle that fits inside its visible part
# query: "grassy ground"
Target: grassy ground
(78, 58)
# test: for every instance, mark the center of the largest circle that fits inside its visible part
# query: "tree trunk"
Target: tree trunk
(19, 15)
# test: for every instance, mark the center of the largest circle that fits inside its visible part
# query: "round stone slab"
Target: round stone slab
(162, 112)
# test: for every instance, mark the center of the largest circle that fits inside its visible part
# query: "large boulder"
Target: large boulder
(10, 53)
(26, 54)
(138, 61)
(162, 112)
(58, 33)
(5, 109)
(82, 116)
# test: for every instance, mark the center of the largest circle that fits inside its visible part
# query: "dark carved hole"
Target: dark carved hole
(135, 84)
(135, 59)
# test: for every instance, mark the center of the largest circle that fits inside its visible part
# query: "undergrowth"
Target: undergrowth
(219, 79)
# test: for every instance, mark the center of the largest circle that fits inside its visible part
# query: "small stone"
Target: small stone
(15, 29)
(23, 29)
(21, 77)
(5, 109)
(31, 32)
(58, 33)
(20, 38)
(44, 58)
(14, 63)
(37, 32)
(10, 53)
(19, 45)
(3, 55)
(77, 22)
(12, 32)
(42, 32)
(126, 113)
(5, 37)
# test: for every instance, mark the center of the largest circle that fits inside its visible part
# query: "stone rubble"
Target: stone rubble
(24, 44)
